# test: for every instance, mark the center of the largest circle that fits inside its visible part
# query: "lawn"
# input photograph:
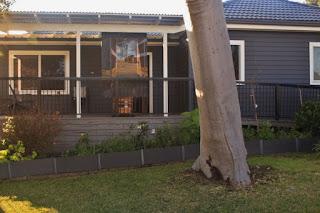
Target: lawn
(283, 183)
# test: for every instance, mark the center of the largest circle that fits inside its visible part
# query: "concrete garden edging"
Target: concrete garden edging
(139, 158)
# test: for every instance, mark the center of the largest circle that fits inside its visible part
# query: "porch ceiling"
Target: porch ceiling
(95, 22)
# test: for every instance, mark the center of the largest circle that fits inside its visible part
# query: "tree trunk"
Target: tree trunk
(222, 145)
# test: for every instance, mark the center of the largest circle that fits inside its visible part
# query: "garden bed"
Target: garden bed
(140, 158)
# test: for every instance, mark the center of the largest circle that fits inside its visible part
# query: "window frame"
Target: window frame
(40, 53)
(312, 45)
(241, 44)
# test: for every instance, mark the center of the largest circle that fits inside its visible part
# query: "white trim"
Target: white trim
(39, 53)
(73, 43)
(258, 27)
(93, 28)
(165, 75)
(78, 74)
(150, 82)
(312, 45)
(242, 61)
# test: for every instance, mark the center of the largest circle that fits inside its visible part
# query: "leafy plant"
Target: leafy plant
(266, 131)
(82, 146)
(117, 144)
(14, 152)
(191, 127)
(316, 148)
(250, 133)
(37, 130)
(307, 117)
(140, 139)
(166, 136)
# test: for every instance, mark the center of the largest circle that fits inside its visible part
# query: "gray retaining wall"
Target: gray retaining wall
(139, 158)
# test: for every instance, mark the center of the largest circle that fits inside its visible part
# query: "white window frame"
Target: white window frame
(40, 53)
(312, 45)
(241, 44)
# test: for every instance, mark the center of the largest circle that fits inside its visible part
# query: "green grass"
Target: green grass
(174, 188)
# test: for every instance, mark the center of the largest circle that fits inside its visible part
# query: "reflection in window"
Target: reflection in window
(34, 64)
(124, 56)
(316, 63)
(52, 66)
(235, 56)
(26, 66)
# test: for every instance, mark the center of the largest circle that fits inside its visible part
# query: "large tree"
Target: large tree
(313, 2)
(5, 5)
(222, 144)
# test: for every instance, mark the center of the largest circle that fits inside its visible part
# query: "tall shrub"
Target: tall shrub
(307, 117)
(37, 130)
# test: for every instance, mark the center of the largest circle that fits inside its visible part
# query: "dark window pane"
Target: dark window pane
(235, 56)
(316, 63)
(29, 68)
(52, 66)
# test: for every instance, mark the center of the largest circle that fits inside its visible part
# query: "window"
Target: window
(238, 55)
(35, 64)
(314, 63)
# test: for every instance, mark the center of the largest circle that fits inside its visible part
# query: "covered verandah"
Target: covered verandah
(79, 89)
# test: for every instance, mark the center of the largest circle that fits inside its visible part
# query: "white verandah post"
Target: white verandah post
(165, 75)
(78, 74)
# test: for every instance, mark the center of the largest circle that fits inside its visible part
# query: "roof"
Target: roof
(270, 12)
(274, 12)
(89, 18)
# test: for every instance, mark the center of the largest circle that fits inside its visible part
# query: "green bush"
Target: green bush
(307, 117)
(140, 137)
(117, 144)
(37, 130)
(316, 148)
(14, 152)
(166, 136)
(190, 127)
(82, 146)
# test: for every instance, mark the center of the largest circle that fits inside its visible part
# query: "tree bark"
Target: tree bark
(222, 144)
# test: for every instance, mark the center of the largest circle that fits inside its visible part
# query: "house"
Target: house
(89, 65)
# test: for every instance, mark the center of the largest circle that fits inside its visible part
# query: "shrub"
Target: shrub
(250, 133)
(140, 139)
(82, 146)
(307, 117)
(166, 136)
(14, 152)
(117, 144)
(190, 127)
(37, 130)
(316, 148)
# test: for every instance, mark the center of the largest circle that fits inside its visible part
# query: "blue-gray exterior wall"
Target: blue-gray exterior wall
(276, 57)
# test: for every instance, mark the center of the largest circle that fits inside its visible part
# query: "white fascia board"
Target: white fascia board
(272, 28)
(83, 43)
(93, 28)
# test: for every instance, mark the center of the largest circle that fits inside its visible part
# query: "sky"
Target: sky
(125, 6)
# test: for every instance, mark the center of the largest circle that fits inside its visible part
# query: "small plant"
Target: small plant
(140, 139)
(316, 148)
(82, 146)
(191, 127)
(307, 117)
(166, 136)
(117, 144)
(250, 133)
(14, 152)
(266, 131)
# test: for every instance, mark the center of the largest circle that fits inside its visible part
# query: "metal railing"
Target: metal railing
(273, 101)
(132, 96)
(111, 96)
